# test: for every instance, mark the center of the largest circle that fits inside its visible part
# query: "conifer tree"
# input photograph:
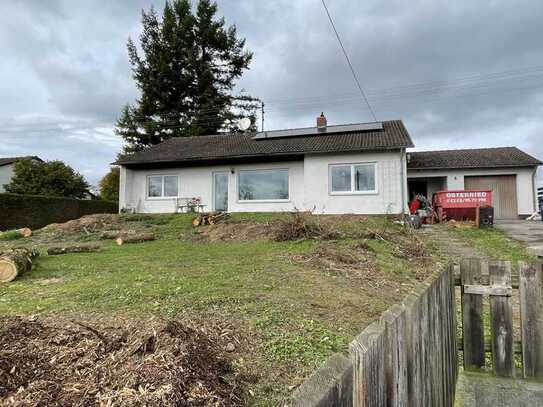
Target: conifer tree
(186, 74)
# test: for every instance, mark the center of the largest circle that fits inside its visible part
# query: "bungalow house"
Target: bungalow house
(355, 168)
(6, 169)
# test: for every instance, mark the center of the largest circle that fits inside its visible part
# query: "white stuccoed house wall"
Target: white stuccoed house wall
(6, 173)
(198, 182)
(308, 186)
(390, 180)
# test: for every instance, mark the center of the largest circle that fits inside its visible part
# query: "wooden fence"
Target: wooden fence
(407, 358)
(495, 280)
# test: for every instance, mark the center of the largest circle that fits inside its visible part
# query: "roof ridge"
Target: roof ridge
(466, 149)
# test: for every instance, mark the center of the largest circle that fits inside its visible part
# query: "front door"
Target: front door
(220, 191)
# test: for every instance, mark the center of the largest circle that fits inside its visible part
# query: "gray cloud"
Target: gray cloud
(66, 74)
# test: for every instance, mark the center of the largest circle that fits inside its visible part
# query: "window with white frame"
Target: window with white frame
(353, 178)
(263, 185)
(162, 186)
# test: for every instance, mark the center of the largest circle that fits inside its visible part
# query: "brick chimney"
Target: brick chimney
(321, 122)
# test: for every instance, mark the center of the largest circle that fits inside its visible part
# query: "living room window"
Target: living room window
(263, 185)
(358, 178)
(162, 186)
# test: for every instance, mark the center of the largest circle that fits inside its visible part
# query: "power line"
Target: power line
(349, 62)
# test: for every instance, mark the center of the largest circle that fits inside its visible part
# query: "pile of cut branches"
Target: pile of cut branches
(302, 225)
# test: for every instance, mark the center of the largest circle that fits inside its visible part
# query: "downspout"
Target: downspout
(403, 177)
(534, 189)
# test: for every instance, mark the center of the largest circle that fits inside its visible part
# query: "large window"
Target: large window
(352, 178)
(263, 185)
(162, 186)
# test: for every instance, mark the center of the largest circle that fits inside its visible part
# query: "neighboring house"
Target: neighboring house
(509, 172)
(540, 198)
(6, 169)
(356, 168)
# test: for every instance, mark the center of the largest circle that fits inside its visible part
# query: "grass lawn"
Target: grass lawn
(296, 302)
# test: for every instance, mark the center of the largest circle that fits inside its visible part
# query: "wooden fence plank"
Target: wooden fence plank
(501, 315)
(396, 356)
(368, 356)
(472, 316)
(426, 362)
(531, 311)
(448, 333)
(484, 280)
(414, 376)
(453, 328)
(437, 347)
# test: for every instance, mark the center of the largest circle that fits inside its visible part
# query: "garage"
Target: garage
(504, 193)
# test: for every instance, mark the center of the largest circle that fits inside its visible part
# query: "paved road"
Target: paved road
(529, 232)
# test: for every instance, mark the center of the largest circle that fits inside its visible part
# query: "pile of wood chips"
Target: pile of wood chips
(126, 363)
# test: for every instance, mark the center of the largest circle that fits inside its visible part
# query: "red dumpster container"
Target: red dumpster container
(461, 205)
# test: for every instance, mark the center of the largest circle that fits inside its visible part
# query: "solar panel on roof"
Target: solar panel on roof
(308, 131)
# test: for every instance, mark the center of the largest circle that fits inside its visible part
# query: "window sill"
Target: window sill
(167, 198)
(354, 193)
(264, 201)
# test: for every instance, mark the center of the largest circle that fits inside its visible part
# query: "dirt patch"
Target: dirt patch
(89, 224)
(243, 231)
(355, 262)
(406, 243)
(297, 226)
(145, 363)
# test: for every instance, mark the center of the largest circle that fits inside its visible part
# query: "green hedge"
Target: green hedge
(33, 211)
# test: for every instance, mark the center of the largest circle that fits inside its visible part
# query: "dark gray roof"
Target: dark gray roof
(11, 160)
(472, 158)
(238, 146)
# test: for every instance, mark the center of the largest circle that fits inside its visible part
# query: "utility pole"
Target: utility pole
(262, 113)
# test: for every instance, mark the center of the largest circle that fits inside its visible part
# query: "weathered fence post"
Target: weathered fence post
(414, 360)
(396, 356)
(368, 357)
(531, 311)
(472, 316)
(501, 315)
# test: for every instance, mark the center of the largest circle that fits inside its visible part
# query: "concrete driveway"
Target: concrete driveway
(529, 232)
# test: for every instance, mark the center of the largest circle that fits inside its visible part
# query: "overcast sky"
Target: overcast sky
(459, 73)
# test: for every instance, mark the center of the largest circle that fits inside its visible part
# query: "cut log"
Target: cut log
(209, 218)
(13, 234)
(135, 238)
(88, 248)
(25, 232)
(197, 221)
(15, 262)
(114, 234)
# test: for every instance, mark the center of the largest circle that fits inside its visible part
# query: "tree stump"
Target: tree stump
(15, 262)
